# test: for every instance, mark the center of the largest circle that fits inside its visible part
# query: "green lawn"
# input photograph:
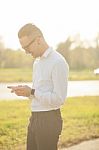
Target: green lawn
(80, 115)
(25, 75)
(83, 75)
(15, 75)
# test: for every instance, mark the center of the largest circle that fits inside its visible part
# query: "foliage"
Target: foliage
(80, 57)
(15, 59)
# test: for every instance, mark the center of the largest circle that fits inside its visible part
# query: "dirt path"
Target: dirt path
(87, 145)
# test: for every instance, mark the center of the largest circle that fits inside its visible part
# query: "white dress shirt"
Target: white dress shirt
(50, 77)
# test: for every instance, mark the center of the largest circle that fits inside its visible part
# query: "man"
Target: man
(49, 90)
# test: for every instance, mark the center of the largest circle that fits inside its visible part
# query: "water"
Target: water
(75, 88)
(83, 88)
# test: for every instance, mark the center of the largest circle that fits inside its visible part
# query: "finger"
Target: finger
(12, 91)
(12, 87)
(20, 85)
(19, 93)
(17, 88)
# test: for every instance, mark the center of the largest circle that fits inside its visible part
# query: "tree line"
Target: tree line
(78, 54)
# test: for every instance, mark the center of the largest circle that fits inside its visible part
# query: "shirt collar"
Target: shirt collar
(47, 52)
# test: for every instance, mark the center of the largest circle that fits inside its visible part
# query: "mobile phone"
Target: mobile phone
(10, 87)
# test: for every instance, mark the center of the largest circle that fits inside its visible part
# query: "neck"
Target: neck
(44, 48)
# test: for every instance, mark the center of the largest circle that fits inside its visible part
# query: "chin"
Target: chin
(33, 56)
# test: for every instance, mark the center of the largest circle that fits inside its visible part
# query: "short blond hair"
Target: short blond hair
(29, 30)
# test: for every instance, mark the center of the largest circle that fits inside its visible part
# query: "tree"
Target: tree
(64, 49)
(2, 49)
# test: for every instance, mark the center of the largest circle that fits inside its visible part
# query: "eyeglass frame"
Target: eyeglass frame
(26, 47)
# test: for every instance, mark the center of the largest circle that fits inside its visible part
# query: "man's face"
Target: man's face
(30, 45)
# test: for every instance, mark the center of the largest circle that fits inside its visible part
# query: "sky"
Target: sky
(58, 19)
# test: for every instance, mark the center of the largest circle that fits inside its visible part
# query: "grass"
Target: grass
(13, 123)
(81, 120)
(15, 75)
(25, 75)
(83, 75)
(80, 115)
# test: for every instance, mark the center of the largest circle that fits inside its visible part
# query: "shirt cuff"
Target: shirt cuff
(37, 94)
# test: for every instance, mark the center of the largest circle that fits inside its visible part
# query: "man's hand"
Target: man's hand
(21, 90)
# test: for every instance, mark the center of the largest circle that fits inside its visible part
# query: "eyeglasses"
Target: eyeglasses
(26, 47)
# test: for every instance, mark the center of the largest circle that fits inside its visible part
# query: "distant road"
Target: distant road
(75, 88)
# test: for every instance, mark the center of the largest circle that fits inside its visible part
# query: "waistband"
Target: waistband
(44, 112)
